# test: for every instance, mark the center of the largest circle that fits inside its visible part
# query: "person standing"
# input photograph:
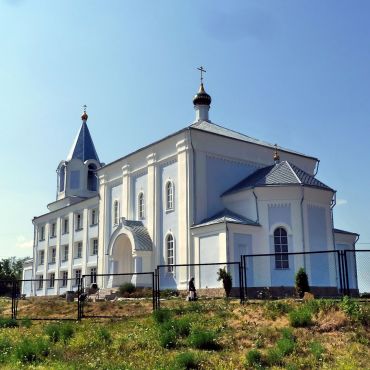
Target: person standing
(192, 290)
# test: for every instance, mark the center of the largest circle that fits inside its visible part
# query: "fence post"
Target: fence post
(158, 290)
(240, 284)
(340, 272)
(153, 291)
(346, 272)
(245, 277)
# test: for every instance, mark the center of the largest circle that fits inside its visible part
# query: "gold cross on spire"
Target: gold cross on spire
(84, 107)
(202, 70)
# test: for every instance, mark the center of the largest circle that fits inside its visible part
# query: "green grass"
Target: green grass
(300, 317)
(211, 334)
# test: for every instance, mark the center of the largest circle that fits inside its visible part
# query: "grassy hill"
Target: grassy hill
(213, 334)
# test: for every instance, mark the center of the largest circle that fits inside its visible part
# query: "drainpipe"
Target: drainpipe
(302, 225)
(227, 242)
(257, 212)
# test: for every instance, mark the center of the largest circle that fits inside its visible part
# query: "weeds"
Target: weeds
(28, 351)
(162, 315)
(8, 323)
(300, 317)
(187, 360)
(203, 339)
(253, 358)
(274, 309)
(317, 350)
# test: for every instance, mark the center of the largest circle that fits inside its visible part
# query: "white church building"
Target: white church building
(200, 195)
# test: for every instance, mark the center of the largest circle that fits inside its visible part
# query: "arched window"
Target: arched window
(62, 175)
(91, 178)
(115, 212)
(169, 195)
(281, 248)
(141, 206)
(170, 252)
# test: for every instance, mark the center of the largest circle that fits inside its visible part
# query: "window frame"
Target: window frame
(281, 248)
(42, 258)
(141, 206)
(170, 196)
(79, 249)
(170, 257)
(53, 231)
(94, 218)
(78, 274)
(66, 225)
(41, 282)
(52, 280)
(116, 212)
(42, 233)
(94, 247)
(64, 279)
(79, 221)
(53, 256)
(65, 252)
(93, 273)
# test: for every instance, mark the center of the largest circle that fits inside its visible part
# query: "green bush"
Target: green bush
(31, 350)
(203, 339)
(253, 358)
(126, 288)
(317, 350)
(187, 360)
(350, 307)
(167, 338)
(274, 309)
(275, 357)
(301, 282)
(53, 332)
(181, 326)
(227, 280)
(8, 323)
(5, 348)
(162, 315)
(59, 331)
(285, 346)
(104, 335)
(300, 318)
(66, 331)
(26, 322)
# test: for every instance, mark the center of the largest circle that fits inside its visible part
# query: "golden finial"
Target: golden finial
(84, 116)
(276, 154)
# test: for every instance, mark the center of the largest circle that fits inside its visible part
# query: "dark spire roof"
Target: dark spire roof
(279, 174)
(83, 147)
(202, 98)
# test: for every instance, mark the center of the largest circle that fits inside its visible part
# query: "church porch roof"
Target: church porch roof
(280, 174)
(226, 216)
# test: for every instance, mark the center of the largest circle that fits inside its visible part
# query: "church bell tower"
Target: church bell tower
(77, 174)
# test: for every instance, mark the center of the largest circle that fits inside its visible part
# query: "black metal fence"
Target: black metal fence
(332, 273)
(50, 299)
(124, 288)
(172, 281)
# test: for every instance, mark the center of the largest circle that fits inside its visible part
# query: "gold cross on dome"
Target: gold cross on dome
(202, 70)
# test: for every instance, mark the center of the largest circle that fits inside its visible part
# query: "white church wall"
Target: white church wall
(168, 218)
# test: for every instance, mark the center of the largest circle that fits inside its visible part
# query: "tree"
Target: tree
(227, 280)
(10, 269)
(301, 282)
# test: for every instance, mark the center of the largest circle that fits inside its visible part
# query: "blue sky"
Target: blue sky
(296, 73)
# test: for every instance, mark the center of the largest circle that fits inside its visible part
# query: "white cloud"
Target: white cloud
(23, 243)
(341, 202)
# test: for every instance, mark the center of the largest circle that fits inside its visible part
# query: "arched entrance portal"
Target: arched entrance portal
(121, 260)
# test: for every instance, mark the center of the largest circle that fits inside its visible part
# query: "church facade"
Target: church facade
(204, 194)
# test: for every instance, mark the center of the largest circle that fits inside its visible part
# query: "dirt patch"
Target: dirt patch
(331, 321)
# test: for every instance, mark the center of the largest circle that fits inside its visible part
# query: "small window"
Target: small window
(115, 212)
(92, 181)
(62, 175)
(66, 226)
(64, 278)
(53, 230)
(65, 253)
(281, 249)
(94, 217)
(42, 257)
(79, 250)
(169, 196)
(141, 206)
(41, 281)
(78, 221)
(77, 277)
(93, 274)
(51, 280)
(42, 233)
(53, 255)
(94, 249)
(170, 252)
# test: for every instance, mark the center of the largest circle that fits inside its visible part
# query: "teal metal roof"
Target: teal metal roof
(83, 147)
(280, 174)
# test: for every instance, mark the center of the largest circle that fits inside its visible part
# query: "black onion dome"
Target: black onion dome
(202, 98)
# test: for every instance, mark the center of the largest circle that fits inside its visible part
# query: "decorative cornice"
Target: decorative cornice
(151, 159)
(182, 146)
